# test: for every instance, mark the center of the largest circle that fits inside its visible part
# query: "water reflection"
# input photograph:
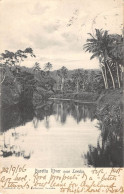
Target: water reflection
(10, 144)
(62, 110)
(60, 134)
(56, 132)
(15, 116)
(109, 149)
(11, 118)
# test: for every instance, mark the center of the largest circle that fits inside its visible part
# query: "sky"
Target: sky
(56, 30)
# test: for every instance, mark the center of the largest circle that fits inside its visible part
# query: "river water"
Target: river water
(56, 135)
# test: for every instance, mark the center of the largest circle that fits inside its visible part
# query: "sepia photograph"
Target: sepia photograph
(61, 83)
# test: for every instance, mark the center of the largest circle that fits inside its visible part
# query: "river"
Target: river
(56, 135)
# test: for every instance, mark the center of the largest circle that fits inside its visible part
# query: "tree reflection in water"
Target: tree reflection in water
(62, 109)
(9, 149)
(20, 115)
(109, 150)
(107, 153)
(15, 116)
(10, 119)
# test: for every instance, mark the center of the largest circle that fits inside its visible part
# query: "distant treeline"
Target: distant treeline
(33, 85)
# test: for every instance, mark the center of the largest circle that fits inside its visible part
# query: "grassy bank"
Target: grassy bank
(109, 104)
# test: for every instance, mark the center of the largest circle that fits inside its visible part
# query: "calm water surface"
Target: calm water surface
(57, 134)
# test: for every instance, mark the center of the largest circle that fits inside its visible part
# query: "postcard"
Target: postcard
(61, 96)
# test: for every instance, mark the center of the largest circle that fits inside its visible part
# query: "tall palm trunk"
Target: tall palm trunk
(118, 75)
(3, 79)
(62, 84)
(105, 81)
(57, 84)
(106, 77)
(105, 63)
(113, 83)
(122, 70)
(77, 86)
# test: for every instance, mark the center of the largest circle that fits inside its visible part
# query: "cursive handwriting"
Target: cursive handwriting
(91, 180)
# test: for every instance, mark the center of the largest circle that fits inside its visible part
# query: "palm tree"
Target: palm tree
(48, 67)
(76, 76)
(99, 46)
(2, 74)
(116, 54)
(62, 73)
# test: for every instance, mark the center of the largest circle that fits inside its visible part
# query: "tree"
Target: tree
(28, 86)
(11, 59)
(97, 83)
(2, 73)
(116, 48)
(62, 73)
(36, 68)
(48, 67)
(76, 76)
(99, 46)
(84, 80)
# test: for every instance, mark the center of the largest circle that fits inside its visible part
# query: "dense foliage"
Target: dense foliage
(108, 48)
(35, 85)
(27, 91)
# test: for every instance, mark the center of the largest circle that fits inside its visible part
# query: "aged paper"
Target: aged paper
(61, 96)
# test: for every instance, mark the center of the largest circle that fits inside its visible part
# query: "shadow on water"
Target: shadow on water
(19, 115)
(15, 116)
(11, 118)
(107, 153)
(62, 110)
(109, 150)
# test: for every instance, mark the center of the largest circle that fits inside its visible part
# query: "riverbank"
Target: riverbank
(110, 104)
(109, 149)
(110, 98)
(106, 113)
(81, 96)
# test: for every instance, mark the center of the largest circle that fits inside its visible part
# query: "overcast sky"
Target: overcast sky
(56, 29)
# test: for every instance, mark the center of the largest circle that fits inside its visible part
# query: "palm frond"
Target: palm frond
(94, 55)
